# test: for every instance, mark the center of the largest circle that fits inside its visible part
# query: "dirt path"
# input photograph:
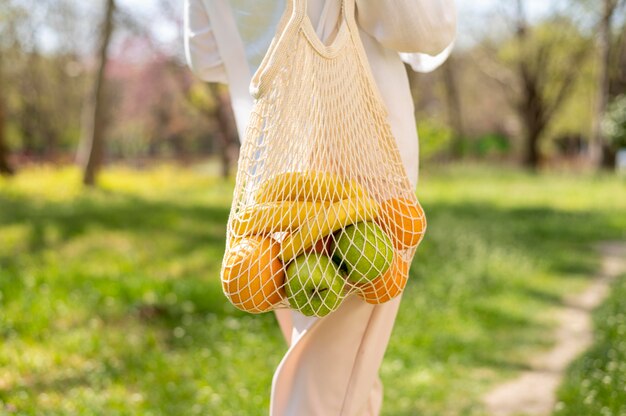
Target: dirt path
(533, 392)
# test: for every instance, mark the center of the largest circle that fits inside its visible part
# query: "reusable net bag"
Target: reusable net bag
(322, 206)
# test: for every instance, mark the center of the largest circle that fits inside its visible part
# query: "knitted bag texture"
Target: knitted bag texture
(322, 206)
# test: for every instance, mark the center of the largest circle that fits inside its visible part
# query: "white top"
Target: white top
(225, 41)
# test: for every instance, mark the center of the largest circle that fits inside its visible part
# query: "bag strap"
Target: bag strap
(287, 28)
(347, 12)
(290, 24)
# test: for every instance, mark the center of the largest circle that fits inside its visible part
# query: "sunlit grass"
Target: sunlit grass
(110, 301)
(596, 382)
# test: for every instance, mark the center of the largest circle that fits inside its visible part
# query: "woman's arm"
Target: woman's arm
(425, 26)
(201, 52)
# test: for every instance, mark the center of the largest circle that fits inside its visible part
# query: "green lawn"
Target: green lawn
(596, 382)
(110, 301)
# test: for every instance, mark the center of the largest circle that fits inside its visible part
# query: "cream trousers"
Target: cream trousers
(331, 367)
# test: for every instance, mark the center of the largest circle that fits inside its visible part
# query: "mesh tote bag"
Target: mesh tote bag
(322, 206)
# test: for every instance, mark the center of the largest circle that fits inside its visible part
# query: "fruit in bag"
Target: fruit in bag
(274, 217)
(326, 221)
(308, 186)
(364, 251)
(403, 220)
(321, 246)
(314, 285)
(388, 286)
(326, 142)
(252, 275)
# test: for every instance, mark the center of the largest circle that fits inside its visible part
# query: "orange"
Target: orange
(253, 277)
(321, 246)
(388, 286)
(403, 219)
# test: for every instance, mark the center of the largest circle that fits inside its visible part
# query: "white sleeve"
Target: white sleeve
(424, 26)
(201, 51)
(421, 62)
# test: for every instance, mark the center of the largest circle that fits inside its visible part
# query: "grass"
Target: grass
(596, 382)
(110, 301)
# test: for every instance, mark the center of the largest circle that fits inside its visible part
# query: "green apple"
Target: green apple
(314, 284)
(364, 250)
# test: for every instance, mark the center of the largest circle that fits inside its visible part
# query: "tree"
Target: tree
(617, 84)
(91, 148)
(604, 56)
(212, 101)
(226, 132)
(538, 67)
(614, 123)
(453, 101)
(42, 78)
(546, 68)
(5, 168)
(599, 150)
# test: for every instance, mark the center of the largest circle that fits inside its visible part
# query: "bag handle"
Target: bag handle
(347, 10)
(290, 24)
(287, 28)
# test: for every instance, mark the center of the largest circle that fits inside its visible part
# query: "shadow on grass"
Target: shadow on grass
(448, 281)
(486, 278)
(560, 239)
(192, 227)
(117, 212)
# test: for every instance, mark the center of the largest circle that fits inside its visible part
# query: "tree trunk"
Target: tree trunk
(617, 79)
(531, 106)
(454, 107)
(532, 158)
(532, 111)
(5, 167)
(528, 102)
(91, 149)
(609, 156)
(227, 134)
(597, 145)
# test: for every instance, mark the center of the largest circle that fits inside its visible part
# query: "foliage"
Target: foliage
(545, 62)
(111, 301)
(614, 124)
(435, 138)
(595, 382)
(485, 146)
(491, 144)
(153, 122)
(549, 50)
(46, 48)
(42, 91)
(575, 117)
(44, 84)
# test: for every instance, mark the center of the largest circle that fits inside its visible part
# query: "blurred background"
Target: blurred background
(117, 168)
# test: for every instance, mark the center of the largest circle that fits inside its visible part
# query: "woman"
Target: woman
(331, 367)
